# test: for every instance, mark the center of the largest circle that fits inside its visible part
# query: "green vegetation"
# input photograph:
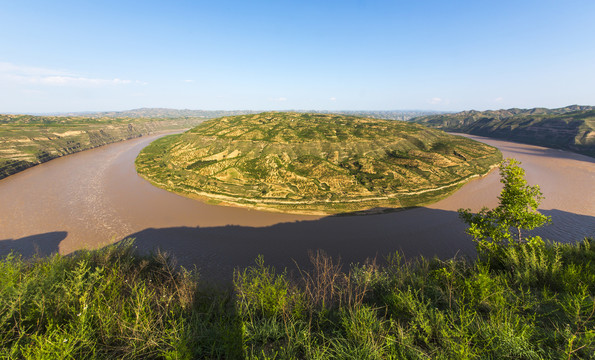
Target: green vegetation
(569, 128)
(314, 163)
(526, 302)
(517, 209)
(27, 140)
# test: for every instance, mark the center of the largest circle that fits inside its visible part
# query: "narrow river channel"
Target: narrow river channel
(95, 198)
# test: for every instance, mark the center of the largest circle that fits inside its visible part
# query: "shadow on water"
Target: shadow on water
(216, 251)
(35, 245)
(566, 226)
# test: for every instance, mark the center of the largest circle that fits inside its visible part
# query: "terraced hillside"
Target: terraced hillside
(569, 128)
(27, 140)
(314, 163)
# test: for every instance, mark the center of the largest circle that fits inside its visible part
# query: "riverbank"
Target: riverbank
(528, 302)
(26, 140)
(570, 128)
(276, 205)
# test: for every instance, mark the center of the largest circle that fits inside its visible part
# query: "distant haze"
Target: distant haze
(177, 113)
(73, 56)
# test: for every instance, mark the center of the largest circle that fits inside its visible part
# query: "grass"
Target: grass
(525, 302)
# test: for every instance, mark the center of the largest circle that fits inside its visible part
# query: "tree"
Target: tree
(517, 210)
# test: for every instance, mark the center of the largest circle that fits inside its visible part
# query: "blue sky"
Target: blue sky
(62, 56)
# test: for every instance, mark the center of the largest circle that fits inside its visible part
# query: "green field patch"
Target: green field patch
(200, 163)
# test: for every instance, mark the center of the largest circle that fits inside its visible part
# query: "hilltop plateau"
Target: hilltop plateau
(314, 163)
(569, 128)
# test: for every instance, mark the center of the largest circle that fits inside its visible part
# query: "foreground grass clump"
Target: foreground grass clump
(528, 301)
(534, 302)
(102, 304)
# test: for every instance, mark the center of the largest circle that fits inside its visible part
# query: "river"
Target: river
(95, 198)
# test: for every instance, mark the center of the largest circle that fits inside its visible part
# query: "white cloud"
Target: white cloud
(499, 99)
(333, 99)
(52, 77)
(438, 101)
(73, 80)
(32, 92)
(19, 70)
(279, 99)
(188, 81)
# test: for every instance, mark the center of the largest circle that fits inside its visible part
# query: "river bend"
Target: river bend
(94, 198)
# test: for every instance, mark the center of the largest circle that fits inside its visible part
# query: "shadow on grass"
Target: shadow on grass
(35, 245)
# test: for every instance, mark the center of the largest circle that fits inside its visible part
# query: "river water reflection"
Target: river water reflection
(94, 198)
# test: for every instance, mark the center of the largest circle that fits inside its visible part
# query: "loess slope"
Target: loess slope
(314, 163)
(27, 140)
(570, 128)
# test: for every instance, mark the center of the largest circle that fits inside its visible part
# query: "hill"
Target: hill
(570, 128)
(27, 140)
(314, 163)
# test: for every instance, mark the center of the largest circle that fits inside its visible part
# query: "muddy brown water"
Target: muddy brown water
(95, 198)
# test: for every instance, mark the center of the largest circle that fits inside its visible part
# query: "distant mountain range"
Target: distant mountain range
(162, 113)
(570, 128)
(403, 115)
(207, 114)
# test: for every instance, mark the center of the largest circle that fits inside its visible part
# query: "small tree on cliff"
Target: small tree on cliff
(517, 210)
